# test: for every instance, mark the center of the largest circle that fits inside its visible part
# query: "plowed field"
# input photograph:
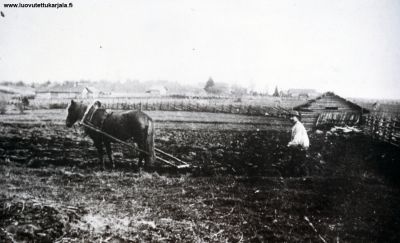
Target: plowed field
(244, 187)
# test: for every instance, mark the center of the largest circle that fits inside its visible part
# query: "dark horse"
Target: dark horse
(121, 125)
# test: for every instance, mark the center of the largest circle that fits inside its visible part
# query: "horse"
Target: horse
(133, 124)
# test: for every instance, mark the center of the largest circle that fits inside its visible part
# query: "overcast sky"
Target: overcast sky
(346, 46)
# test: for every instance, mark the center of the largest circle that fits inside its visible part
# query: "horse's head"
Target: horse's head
(73, 113)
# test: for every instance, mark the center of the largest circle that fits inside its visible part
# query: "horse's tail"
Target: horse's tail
(151, 157)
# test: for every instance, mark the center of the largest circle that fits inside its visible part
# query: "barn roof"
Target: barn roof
(330, 94)
(91, 90)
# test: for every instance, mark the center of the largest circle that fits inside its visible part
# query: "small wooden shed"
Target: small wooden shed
(330, 109)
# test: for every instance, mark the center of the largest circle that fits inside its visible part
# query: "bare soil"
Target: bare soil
(244, 187)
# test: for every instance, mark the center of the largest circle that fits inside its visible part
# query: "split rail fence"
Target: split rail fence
(383, 128)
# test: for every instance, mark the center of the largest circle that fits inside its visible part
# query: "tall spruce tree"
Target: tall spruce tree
(276, 92)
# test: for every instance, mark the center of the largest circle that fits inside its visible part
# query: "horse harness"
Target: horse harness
(107, 115)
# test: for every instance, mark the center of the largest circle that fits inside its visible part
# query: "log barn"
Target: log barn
(330, 109)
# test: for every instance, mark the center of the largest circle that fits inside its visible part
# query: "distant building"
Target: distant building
(303, 93)
(70, 90)
(5, 90)
(330, 109)
(90, 93)
(13, 92)
(157, 90)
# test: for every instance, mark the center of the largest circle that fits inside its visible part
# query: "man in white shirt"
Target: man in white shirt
(299, 133)
(298, 145)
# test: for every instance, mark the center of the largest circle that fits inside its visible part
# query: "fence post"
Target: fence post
(371, 125)
(376, 128)
(370, 122)
(388, 128)
(380, 128)
(384, 129)
(390, 138)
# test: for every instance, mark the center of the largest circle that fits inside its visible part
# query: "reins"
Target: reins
(85, 122)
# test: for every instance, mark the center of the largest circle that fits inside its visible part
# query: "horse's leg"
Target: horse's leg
(99, 146)
(141, 157)
(139, 142)
(148, 144)
(109, 152)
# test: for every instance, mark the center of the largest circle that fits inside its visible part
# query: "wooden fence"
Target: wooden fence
(171, 105)
(383, 128)
(254, 110)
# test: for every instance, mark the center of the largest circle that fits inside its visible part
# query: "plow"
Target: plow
(161, 156)
(174, 161)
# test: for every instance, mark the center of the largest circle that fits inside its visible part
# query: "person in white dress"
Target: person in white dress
(298, 146)
(299, 133)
